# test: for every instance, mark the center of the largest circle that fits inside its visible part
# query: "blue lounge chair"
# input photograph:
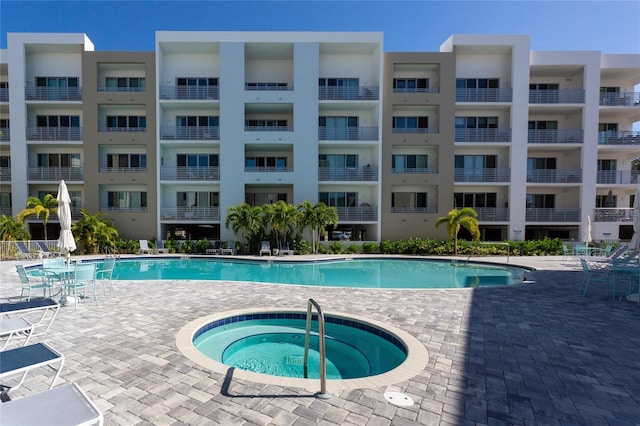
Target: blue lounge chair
(24, 252)
(39, 312)
(26, 358)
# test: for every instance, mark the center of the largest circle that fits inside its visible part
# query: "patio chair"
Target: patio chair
(46, 251)
(84, 277)
(581, 250)
(567, 251)
(26, 358)
(24, 252)
(230, 249)
(105, 272)
(285, 250)
(160, 247)
(39, 312)
(144, 247)
(29, 283)
(586, 277)
(265, 248)
(63, 405)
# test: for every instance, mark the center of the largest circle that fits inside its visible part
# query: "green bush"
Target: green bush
(301, 246)
(336, 247)
(171, 245)
(187, 247)
(354, 248)
(369, 247)
(322, 249)
(202, 246)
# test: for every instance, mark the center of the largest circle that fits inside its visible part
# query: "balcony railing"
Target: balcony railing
(413, 130)
(114, 209)
(415, 170)
(121, 129)
(554, 176)
(53, 93)
(268, 169)
(357, 214)
(483, 135)
(190, 173)
(618, 177)
(103, 88)
(492, 214)
(555, 136)
(6, 210)
(619, 138)
(552, 215)
(191, 93)
(620, 99)
(190, 214)
(4, 95)
(190, 133)
(54, 133)
(360, 93)
(5, 134)
(481, 175)
(355, 174)
(348, 134)
(484, 95)
(556, 96)
(55, 173)
(123, 169)
(268, 86)
(416, 90)
(609, 214)
(429, 209)
(268, 128)
(5, 174)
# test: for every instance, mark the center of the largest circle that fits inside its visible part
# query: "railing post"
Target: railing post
(323, 394)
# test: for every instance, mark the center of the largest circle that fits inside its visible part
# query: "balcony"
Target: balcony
(353, 174)
(554, 176)
(415, 170)
(430, 209)
(268, 169)
(484, 95)
(123, 89)
(194, 173)
(609, 214)
(114, 209)
(556, 96)
(483, 135)
(55, 173)
(347, 93)
(191, 214)
(42, 93)
(190, 133)
(416, 90)
(5, 134)
(619, 138)
(190, 93)
(123, 169)
(4, 94)
(5, 174)
(618, 177)
(357, 214)
(620, 99)
(481, 175)
(492, 214)
(416, 131)
(122, 129)
(552, 215)
(268, 128)
(54, 133)
(348, 134)
(555, 136)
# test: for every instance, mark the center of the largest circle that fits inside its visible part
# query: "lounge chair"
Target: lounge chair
(160, 247)
(24, 252)
(29, 283)
(39, 312)
(285, 250)
(63, 405)
(26, 358)
(144, 247)
(230, 249)
(265, 248)
(15, 327)
(46, 251)
(215, 248)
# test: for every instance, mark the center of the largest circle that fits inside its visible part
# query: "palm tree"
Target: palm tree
(466, 218)
(92, 232)
(12, 229)
(317, 217)
(246, 220)
(283, 219)
(36, 207)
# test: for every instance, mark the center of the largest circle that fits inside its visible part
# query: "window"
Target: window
(544, 86)
(5, 161)
(126, 123)
(125, 161)
(606, 201)
(607, 164)
(541, 163)
(59, 160)
(266, 123)
(260, 199)
(409, 163)
(125, 84)
(193, 82)
(476, 122)
(475, 199)
(5, 199)
(477, 83)
(266, 86)
(408, 201)
(197, 160)
(410, 84)
(4, 123)
(196, 88)
(339, 88)
(198, 199)
(127, 200)
(58, 120)
(410, 124)
(543, 125)
(58, 82)
(474, 162)
(339, 199)
(338, 161)
(269, 163)
(541, 201)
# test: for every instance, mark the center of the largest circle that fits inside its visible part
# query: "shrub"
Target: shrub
(171, 245)
(187, 247)
(202, 245)
(354, 248)
(369, 247)
(302, 246)
(322, 249)
(336, 247)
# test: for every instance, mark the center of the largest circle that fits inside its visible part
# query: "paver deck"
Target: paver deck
(535, 353)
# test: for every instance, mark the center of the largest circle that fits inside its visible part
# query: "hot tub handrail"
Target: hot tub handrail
(323, 394)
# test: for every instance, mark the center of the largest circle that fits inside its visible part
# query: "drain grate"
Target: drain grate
(294, 360)
(398, 398)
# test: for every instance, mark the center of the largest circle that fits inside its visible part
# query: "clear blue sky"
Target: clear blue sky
(609, 26)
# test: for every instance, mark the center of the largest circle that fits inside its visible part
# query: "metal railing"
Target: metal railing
(620, 99)
(483, 135)
(4, 95)
(121, 129)
(198, 173)
(555, 136)
(103, 88)
(5, 174)
(430, 209)
(618, 177)
(552, 215)
(323, 394)
(190, 214)
(268, 128)
(351, 214)
(114, 209)
(481, 175)
(554, 176)
(5, 134)
(54, 133)
(613, 214)
(626, 137)
(123, 169)
(414, 130)
(360, 93)
(414, 171)
(416, 90)
(356, 174)
(492, 214)
(55, 173)
(484, 95)
(53, 93)
(268, 169)
(348, 134)
(190, 133)
(192, 93)
(556, 96)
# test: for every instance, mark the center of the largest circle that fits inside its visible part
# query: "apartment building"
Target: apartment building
(165, 142)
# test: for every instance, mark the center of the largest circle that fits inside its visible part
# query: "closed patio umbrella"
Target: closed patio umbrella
(586, 231)
(66, 243)
(635, 241)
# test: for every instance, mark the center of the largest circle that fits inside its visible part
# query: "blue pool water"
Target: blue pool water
(361, 273)
(274, 344)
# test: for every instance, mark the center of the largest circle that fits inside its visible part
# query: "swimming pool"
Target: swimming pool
(351, 272)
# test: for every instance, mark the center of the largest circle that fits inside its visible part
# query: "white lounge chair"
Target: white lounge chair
(144, 247)
(230, 249)
(265, 248)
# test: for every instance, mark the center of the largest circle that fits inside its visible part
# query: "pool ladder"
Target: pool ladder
(323, 394)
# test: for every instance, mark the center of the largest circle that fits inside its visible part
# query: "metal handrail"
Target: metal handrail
(323, 394)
